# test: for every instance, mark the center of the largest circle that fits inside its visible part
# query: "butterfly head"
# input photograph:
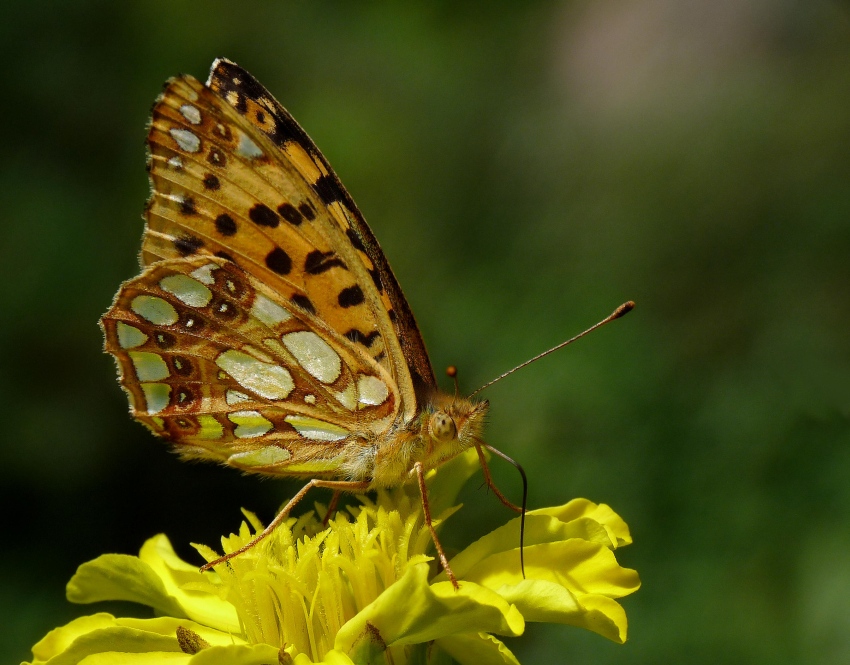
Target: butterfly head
(452, 425)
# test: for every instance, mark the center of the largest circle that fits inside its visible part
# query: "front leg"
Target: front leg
(426, 509)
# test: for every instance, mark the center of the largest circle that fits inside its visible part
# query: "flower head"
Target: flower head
(357, 591)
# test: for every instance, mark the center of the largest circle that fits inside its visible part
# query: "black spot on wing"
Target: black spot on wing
(262, 215)
(279, 261)
(351, 296)
(189, 321)
(224, 309)
(186, 245)
(211, 182)
(187, 206)
(307, 210)
(164, 340)
(303, 302)
(182, 397)
(328, 189)
(225, 224)
(182, 365)
(216, 157)
(225, 256)
(376, 277)
(360, 338)
(232, 285)
(355, 240)
(318, 262)
(290, 213)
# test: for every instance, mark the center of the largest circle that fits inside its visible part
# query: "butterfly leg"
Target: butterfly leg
(426, 509)
(336, 485)
(332, 507)
(488, 479)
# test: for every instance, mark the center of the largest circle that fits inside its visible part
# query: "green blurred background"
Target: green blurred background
(526, 166)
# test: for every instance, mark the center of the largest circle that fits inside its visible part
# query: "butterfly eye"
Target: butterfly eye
(442, 427)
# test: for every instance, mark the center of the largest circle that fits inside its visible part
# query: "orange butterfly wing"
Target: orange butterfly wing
(315, 355)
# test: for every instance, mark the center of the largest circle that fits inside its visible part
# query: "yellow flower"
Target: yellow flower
(358, 591)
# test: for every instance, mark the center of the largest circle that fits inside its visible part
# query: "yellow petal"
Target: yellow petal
(477, 649)
(59, 639)
(577, 565)
(430, 612)
(543, 601)
(602, 513)
(237, 654)
(332, 657)
(155, 578)
(121, 577)
(183, 582)
(539, 528)
(112, 643)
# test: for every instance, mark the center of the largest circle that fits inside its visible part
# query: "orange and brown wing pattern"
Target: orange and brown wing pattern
(223, 186)
(225, 368)
(254, 103)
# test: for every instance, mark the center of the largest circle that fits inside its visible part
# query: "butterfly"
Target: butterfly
(266, 330)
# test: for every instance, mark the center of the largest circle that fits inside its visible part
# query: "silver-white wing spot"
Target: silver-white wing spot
(317, 430)
(156, 310)
(265, 379)
(235, 397)
(314, 354)
(371, 390)
(268, 312)
(348, 397)
(149, 366)
(129, 337)
(157, 396)
(191, 113)
(187, 290)
(185, 139)
(204, 273)
(247, 148)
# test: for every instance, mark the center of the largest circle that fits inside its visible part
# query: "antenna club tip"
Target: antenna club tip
(451, 371)
(623, 309)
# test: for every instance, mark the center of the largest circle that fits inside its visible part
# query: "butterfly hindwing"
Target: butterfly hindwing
(219, 364)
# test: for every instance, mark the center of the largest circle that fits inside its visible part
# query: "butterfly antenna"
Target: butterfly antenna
(451, 372)
(623, 309)
(519, 468)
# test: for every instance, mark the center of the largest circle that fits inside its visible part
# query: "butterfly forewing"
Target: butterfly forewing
(223, 187)
(222, 366)
(254, 103)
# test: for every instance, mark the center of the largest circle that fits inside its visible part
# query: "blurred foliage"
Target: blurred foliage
(527, 167)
